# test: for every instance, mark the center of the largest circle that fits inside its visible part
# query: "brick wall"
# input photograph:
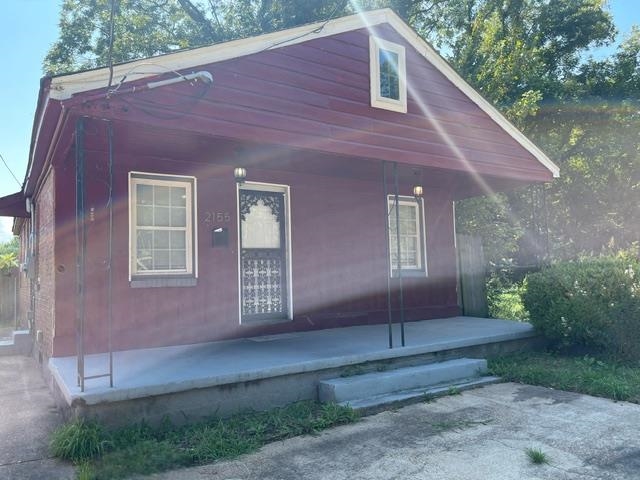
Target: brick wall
(44, 267)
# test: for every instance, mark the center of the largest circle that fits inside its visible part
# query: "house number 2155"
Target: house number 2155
(216, 217)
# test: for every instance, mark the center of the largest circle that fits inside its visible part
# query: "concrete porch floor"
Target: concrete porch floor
(168, 370)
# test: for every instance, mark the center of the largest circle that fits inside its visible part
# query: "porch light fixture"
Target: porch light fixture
(240, 173)
(417, 191)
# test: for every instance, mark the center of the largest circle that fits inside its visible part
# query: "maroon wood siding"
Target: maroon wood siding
(315, 95)
(338, 258)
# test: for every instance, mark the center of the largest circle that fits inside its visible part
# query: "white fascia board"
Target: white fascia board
(66, 86)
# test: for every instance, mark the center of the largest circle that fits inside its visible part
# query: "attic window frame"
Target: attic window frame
(377, 100)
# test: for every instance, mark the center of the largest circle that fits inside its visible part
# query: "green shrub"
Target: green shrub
(593, 303)
(79, 441)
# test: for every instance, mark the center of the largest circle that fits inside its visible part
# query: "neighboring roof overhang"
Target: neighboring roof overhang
(65, 86)
(13, 205)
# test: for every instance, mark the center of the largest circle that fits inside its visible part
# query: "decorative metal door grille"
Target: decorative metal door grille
(262, 255)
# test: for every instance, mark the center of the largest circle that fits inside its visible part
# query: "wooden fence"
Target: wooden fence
(8, 299)
(473, 276)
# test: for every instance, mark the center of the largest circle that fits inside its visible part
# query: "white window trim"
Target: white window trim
(422, 269)
(191, 228)
(378, 101)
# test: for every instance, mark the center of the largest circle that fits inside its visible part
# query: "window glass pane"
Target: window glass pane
(178, 196)
(144, 194)
(161, 216)
(144, 260)
(178, 259)
(178, 240)
(389, 79)
(144, 216)
(161, 239)
(161, 260)
(408, 227)
(162, 195)
(144, 239)
(178, 217)
(407, 212)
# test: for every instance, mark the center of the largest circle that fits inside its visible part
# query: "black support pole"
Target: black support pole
(386, 242)
(399, 258)
(81, 247)
(110, 257)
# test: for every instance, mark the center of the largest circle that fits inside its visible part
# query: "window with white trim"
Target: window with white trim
(411, 235)
(387, 67)
(162, 238)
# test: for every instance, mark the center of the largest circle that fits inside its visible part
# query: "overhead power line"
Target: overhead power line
(14, 177)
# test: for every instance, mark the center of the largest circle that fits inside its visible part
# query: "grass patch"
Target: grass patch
(581, 374)
(537, 456)
(79, 441)
(142, 449)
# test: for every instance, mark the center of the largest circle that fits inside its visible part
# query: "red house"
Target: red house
(136, 233)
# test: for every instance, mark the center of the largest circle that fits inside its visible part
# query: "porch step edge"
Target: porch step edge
(368, 406)
(19, 344)
(402, 379)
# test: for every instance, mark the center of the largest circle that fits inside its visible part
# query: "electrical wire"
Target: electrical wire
(14, 177)
(111, 25)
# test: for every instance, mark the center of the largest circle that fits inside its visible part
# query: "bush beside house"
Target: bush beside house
(592, 303)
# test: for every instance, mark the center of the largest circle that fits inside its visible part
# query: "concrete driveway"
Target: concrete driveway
(480, 434)
(27, 417)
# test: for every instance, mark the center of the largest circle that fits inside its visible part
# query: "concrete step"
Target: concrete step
(379, 402)
(20, 344)
(403, 382)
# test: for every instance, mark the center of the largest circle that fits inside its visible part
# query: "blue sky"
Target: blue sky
(27, 30)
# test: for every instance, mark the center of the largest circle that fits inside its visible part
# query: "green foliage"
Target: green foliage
(593, 303)
(12, 246)
(143, 449)
(536, 456)
(505, 299)
(144, 28)
(581, 374)
(8, 261)
(79, 441)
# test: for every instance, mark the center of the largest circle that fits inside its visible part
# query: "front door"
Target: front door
(263, 255)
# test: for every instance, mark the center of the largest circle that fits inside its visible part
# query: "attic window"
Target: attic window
(388, 75)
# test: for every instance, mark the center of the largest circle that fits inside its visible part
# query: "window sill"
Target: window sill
(156, 282)
(410, 274)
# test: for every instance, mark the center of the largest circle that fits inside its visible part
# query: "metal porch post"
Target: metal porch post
(399, 259)
(388, 251)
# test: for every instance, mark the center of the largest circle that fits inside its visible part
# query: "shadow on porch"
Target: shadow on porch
(191, 381)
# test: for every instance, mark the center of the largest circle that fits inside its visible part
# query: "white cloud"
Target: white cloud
(5, 229)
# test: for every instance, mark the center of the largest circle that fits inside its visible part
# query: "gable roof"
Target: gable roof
(65, 86)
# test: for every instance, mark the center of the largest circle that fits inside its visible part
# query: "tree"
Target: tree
(143, 28)
(9, 255)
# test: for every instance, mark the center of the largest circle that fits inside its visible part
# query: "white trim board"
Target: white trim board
(65, 86)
